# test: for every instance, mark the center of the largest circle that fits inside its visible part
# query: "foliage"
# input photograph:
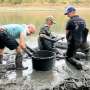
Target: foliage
(43, 1)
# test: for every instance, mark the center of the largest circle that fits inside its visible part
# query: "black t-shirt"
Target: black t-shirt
(76, 25)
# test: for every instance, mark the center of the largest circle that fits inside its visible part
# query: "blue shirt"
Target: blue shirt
(15, 29)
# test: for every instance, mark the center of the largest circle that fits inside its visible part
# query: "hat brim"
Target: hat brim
(53, 22)
(65, 13)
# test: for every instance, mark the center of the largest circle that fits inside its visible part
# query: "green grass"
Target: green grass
(37, 15)
(43, 1)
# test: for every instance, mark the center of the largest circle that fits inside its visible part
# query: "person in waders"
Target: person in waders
(13, 36)
(46, 40)
(76, 35)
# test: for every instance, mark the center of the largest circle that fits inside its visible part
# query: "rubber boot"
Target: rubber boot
(75, 63)
(1, 58)
(18, 62)
(79, 55)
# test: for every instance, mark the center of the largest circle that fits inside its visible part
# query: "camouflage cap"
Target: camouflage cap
(51, 18)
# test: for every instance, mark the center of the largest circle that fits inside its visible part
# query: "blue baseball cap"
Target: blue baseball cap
(69, 9)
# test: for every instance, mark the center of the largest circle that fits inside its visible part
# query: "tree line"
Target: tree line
(41, 1)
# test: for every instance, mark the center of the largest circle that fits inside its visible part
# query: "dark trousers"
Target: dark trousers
(73, 46)
(7, 41)
(70, 50)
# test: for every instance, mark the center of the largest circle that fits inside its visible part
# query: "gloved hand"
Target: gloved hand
(56, 39)
(52, 36)
(30, 49)
(27, 51)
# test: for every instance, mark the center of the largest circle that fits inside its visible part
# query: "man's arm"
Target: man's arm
(23, 46)
(48, 38)
(22, 40)
(69, 28)
(67, 34)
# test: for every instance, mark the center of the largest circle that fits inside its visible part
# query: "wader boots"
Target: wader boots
(75, 63)
(1, 58)
(18, 62)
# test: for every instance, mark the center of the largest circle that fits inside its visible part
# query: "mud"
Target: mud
(63, 76)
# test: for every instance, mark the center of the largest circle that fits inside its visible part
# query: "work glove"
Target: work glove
(27, 51)
(54, 40)
(57, 39)
(30, 49)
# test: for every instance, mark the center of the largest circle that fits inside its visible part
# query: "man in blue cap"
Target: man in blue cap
(76, 34)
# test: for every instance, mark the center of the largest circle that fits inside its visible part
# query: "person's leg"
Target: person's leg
(85, 47)
(1, 55)
(12, 44)
(71, 51)
(1, 46)
(18, 59)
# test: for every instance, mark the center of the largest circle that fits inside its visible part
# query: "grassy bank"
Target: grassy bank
(37, 15)
(43, 1)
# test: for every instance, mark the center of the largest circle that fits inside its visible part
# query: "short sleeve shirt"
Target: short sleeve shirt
(76, 25)
(15, 29)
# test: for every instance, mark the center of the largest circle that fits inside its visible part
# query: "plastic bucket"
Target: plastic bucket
(43, 60)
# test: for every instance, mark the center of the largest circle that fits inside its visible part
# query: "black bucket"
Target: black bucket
(43, 60)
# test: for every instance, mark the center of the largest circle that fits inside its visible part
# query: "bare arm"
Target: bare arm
(22, 40)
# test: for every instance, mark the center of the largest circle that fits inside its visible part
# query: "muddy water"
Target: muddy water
(38, 80)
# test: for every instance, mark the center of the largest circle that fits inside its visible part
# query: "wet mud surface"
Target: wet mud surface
(63, 76)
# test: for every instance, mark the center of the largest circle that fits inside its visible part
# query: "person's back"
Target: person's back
(14, 30)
